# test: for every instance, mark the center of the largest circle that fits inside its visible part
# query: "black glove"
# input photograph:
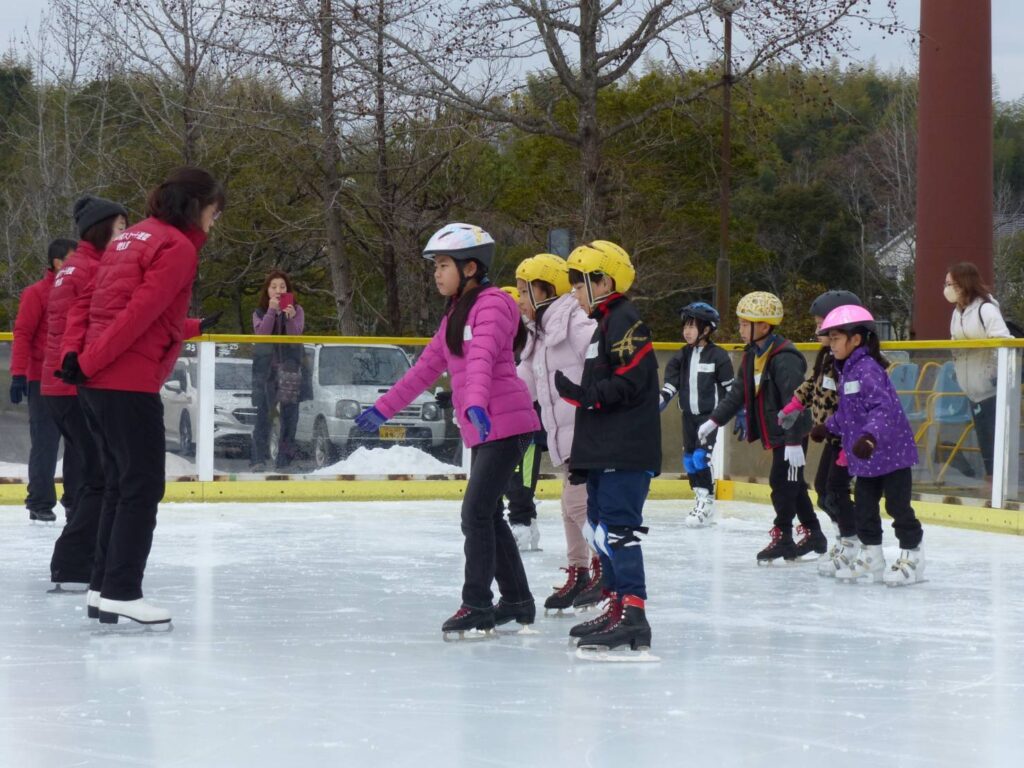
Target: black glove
(577, 477)
(567, 390)
(864, 447)
(69, 372)
(19, 388)
(818, 433)
(444, 399)
(205, 323)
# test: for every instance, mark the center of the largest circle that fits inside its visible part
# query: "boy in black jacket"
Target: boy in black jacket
(701, 372)
(770, 371)
(617, 440)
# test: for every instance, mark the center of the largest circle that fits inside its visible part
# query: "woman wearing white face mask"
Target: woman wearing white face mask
(976, 315)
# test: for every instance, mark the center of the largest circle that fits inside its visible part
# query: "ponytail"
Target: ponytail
(458, 315)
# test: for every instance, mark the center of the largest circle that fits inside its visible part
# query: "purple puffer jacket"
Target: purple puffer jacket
(485, 374)
(561, 346)
(869, 405)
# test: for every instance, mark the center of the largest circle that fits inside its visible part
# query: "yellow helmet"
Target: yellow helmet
(512, 291)
(607, 258)
(760, 307)
(546, 267)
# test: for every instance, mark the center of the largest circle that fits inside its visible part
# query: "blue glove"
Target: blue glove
(740, 427)
(19, 388)
(370, 420)
(478, 417)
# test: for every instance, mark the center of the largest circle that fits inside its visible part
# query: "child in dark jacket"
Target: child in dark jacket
(771, 370)
(616, 442)
(832, 480)
(701, 372)
(880, 448)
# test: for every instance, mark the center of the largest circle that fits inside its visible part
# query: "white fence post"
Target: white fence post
(1005, 469)
(204, 442)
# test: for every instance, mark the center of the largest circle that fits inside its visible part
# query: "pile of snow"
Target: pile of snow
(176, 466)
(396, 460)
(20, 471)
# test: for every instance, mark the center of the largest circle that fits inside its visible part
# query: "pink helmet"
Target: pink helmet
(848, 317)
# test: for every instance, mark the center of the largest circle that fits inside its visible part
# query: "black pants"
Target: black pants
(131, 440)
(266, 401)
(491, 551)
(522, 509)
(75, 548)
(789, 497)
(691, 423)
(984, 414)
(896, 487)
(832, 484)
(44, 438)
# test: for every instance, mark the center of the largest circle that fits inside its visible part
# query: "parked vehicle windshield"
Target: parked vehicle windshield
(233, 375)
(360, 366)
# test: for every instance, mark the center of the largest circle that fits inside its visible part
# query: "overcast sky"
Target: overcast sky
(1007, 23)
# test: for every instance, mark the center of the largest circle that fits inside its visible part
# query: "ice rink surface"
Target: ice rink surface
(309, 635)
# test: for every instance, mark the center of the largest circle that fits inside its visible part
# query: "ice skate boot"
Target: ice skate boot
(524, 613)
(611, 613)
(703, 512)
(41, 516)
(630, 629)
(908, 569)
(594, 591)
(840, 557)
(136, 610)
(575, 583)
(92, 603)
(810, 541)
(781, 546)
(868, 566)
(479, 622)
(527, 536)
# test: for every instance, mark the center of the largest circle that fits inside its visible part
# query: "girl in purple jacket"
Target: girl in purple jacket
(879, 447)
(475, 345)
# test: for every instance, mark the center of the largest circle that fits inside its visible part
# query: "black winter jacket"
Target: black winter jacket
(618, 424)
(783, 373)
(707, 385)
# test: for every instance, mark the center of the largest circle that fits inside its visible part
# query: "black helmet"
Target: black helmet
(829, 300)
(700, 310)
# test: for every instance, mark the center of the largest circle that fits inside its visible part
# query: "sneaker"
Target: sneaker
(781, 545)
(908, 568)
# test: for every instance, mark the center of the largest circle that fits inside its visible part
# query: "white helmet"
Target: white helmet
(461, 242)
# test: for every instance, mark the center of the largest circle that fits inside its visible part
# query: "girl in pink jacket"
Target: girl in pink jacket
(560, 333)
(475, 345)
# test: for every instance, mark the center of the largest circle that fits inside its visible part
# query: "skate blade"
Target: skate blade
(699, 526)
(588, 607)
(868, 579)
(468, 635)
(897, 584)
(62, 590)
(529, 550)
(131, 629)
(617, 655)
(560, 613)
(524, 629)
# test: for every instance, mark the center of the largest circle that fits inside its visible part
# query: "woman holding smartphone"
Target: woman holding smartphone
(276, 370)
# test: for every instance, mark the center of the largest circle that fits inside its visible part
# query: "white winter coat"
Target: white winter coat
(976, 368)
(560, 346)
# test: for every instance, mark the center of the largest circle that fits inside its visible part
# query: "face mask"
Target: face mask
(950, 293)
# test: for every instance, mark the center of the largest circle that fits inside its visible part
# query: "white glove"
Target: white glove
(705, 430)
(795, 458)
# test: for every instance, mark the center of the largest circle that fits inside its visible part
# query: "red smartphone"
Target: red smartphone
(285, 300)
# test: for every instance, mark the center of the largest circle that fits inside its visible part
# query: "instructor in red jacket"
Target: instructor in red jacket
(26, 371)
(134, 329)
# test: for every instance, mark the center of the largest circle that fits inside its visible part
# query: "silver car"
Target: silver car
(233, 412)
(347, 380)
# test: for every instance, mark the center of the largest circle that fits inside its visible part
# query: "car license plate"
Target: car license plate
(392, 433)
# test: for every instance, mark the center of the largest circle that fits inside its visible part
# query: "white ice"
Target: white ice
(309, 635)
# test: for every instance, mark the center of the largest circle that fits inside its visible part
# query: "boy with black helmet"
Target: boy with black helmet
(616, 441)
(832, 479)
(701, 372)
(770, 371)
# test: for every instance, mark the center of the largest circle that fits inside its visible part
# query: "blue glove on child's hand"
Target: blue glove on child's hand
(370, 420)
(740, 427)
(478, 417)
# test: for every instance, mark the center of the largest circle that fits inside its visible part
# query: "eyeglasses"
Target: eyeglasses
(216, 215)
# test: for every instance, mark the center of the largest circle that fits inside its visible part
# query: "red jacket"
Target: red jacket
(137, 313)
(70, 285)
(30, 329)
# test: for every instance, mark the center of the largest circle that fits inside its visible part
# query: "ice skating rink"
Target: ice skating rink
(309, 635)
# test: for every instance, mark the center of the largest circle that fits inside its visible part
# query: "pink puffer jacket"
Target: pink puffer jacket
(561, 346)
(485, 374)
